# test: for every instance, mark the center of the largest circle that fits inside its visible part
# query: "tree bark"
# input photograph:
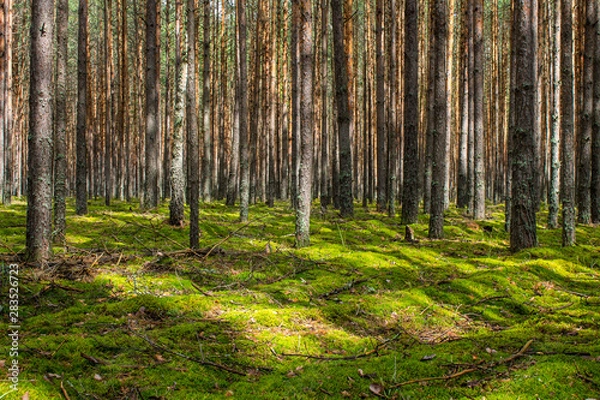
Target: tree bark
(478, 98)
(176, 207)
(523, 219)
(382, 172)
(554, 184)
(242, 88)
(191, 117)
(305, 173)
(567, 128)
(151, 196)
(439, 118)
(82, 95)
(595, 184)
(207, 147)
(343, 112)
(39, 200)
(584, 172)
(410, 192)
(60, 129)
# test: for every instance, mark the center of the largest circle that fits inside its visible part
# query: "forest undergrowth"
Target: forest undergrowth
(125, 311)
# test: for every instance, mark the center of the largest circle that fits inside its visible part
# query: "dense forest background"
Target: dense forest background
(410, 103)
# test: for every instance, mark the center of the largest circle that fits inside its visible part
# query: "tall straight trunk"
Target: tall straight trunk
(39, 196)
(176, 207)
(479, 134)
(272, 98)
(60, 128)
(595, 183)
(242, 88)
(295, 56)
(207, 147)
(471, 95)
(462, 191)
(554, 184)
(305, 173)
(392, 126)
(523, 219)
(584, 172)
(151, 112)
(233, 179)
(567, 125)
(343, 112)
(191, 117)
(124, 108)
(410, 191)
(82, 94)
(108, 139)
(439, 118)
(6, 94)
(324, 64)
(382, 148)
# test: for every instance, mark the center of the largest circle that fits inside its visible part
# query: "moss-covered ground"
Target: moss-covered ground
(123, 311)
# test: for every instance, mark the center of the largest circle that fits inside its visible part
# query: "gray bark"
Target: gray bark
(439, 119)
(410, 186)
(60, 132)
(523, 198)
(39, 196)
(82, 87)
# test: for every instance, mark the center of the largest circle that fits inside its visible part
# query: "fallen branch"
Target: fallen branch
(344, 288)
(64, 392)
(189, 358)
(480, 367)
(489, 299)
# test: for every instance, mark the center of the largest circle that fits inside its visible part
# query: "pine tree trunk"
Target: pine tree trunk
(39, 196)
(82, 94)
(242, 88)
(478, 98)
(595, 184)
(523, 219)
(325, 170)
(206, 101)
(343, 112)
(152, 150)
(439, 119)
(584, 172)
(60, 133)
(305, 173)
(382, 148)
(191, 117)
(462, 191)
(410, 194)
(567, 128)
(554, 189)
(176, 207)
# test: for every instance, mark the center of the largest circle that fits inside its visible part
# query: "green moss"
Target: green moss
(359, 289)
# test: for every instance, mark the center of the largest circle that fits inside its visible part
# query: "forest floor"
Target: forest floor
(124, 311)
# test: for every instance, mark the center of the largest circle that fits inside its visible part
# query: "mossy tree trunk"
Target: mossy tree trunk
(39, 196)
